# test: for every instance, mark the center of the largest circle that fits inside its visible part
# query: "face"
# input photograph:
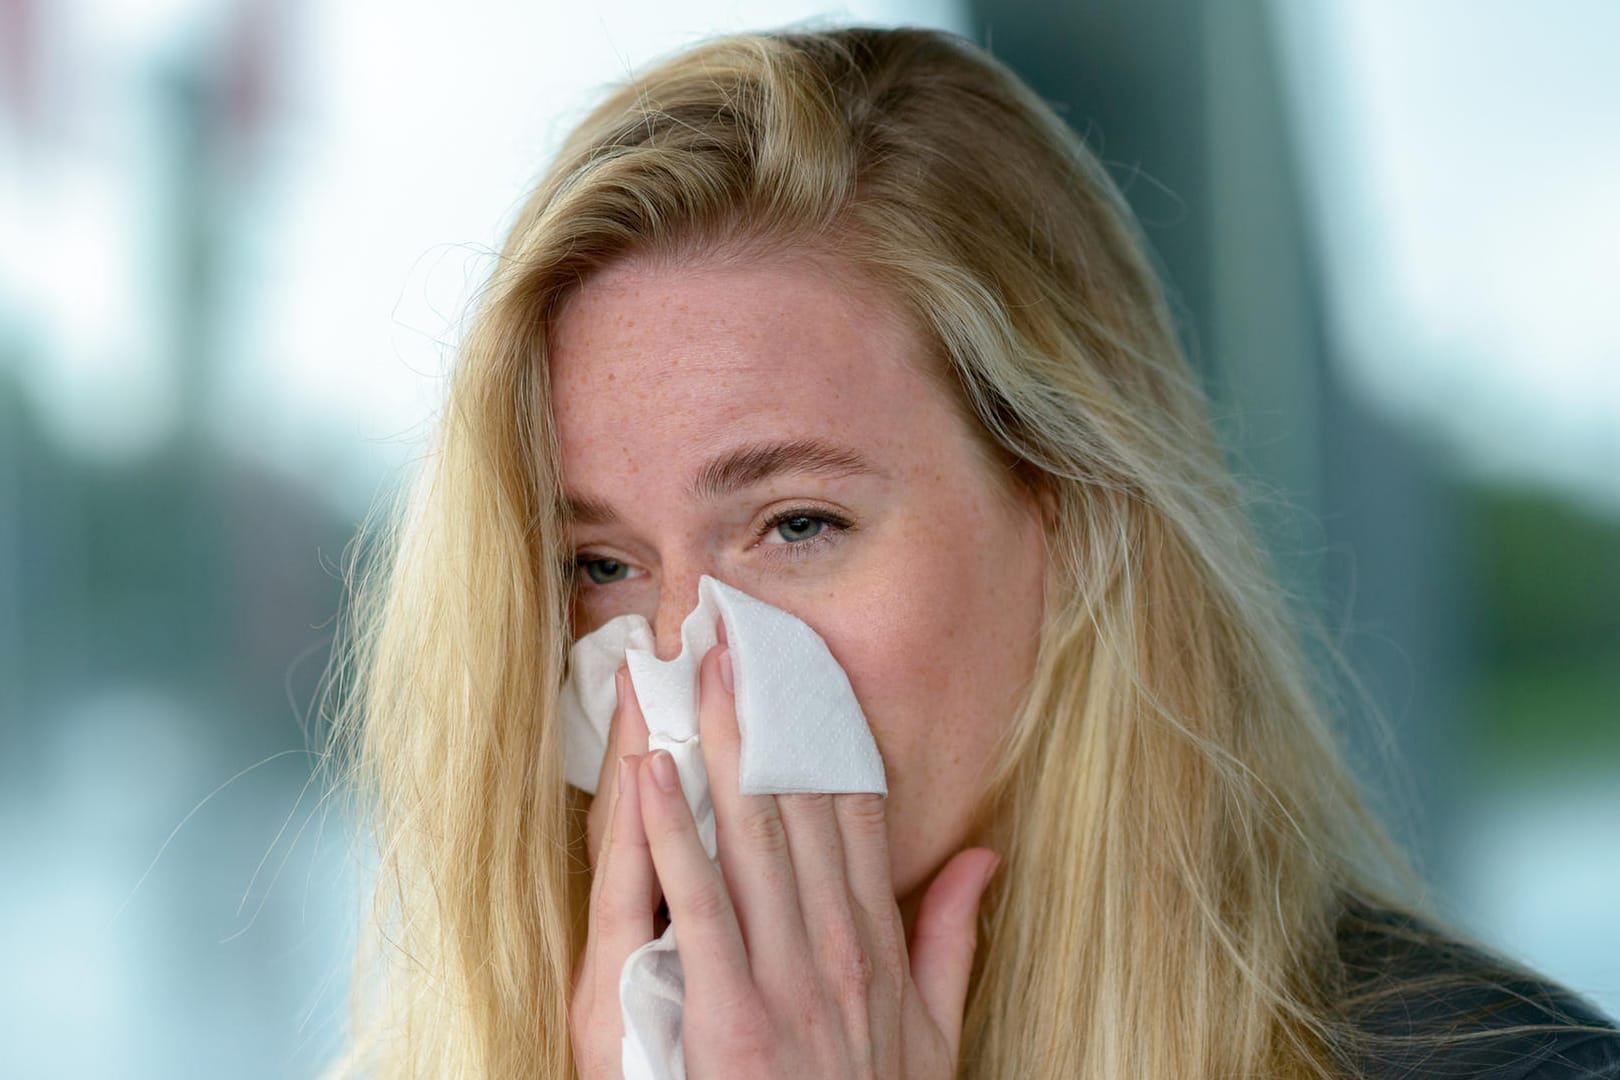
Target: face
(870, 514)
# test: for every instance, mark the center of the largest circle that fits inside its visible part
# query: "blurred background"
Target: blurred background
(236, 237)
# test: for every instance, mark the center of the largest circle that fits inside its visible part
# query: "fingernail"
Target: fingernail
(623, 777)
(990, 873)
(725, 670)
(663, 770)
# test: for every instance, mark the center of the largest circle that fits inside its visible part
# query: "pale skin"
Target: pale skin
(836, 937)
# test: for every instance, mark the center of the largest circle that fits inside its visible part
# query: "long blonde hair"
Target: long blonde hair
(1178, 829)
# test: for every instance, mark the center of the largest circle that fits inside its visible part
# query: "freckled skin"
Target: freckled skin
(931, 601)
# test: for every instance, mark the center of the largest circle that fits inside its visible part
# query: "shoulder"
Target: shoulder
(1425, 1003)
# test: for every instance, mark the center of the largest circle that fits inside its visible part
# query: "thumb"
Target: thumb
(945, 935)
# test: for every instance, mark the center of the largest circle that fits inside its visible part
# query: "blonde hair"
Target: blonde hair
(1179, 832)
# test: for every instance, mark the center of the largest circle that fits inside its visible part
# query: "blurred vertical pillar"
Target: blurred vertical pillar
(11, 509)
(18, 23)
(1182, 100)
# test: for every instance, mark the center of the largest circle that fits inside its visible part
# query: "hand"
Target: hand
(793, 950)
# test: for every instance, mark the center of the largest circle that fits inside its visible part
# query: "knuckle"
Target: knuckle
(671, 830)
(819, 1023)
(607, 907)
(710, 903)
(887, 949)
(846, 965)
(739, 1023)
(863, 815)
(811, 801)
(762, 831)
(749, 1028)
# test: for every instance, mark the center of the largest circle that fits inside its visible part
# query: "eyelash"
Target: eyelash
(821, 539)
(791, 549)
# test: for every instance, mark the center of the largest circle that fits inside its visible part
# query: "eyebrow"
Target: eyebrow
(744, 467)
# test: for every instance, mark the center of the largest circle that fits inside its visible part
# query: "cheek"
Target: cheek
(938, 639)
(937, 648)
(903, 632)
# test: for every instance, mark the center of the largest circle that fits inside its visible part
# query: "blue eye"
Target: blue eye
(799, 527)
(801, 531)
(602, 571)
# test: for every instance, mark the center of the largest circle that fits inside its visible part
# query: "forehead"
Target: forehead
(703, 354)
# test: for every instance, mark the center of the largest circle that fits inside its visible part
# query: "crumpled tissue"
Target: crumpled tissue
(801, 731)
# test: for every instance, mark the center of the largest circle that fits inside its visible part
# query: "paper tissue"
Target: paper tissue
(801, 731)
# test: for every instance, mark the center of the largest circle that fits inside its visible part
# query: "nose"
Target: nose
(677, 596)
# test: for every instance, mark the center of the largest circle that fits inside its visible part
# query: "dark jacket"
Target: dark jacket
(1407, 985)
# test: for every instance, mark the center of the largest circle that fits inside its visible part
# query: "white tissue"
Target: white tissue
(801, 729)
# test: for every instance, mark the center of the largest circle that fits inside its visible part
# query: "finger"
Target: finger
(863, 825)
(837, 939)
(700, 910)
(863, 830)
(627, 734)
(814, 844)
(625, 888)
(945, 936)
(752, 842)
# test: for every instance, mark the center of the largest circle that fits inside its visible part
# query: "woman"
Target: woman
(851, 321)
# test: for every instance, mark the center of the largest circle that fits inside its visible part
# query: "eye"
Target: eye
(798, 531)
(602, 571)
(799, 527)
